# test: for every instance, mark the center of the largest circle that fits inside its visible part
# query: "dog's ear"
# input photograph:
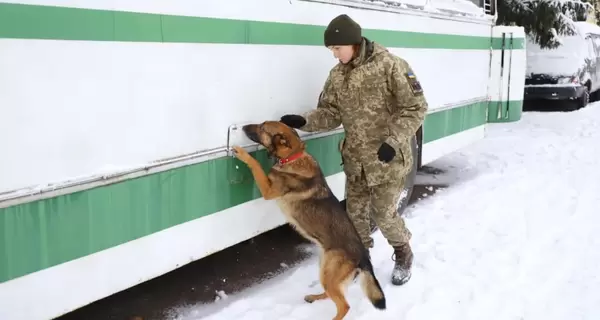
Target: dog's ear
(281, 140)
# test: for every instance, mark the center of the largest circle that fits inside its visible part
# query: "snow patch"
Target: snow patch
(220, 294)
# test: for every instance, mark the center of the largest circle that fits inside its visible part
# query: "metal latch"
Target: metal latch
(237, 171)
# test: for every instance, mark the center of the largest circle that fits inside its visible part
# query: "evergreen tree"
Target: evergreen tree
(596, 11)
(543, 20)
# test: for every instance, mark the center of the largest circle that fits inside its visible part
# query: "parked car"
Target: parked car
(570, 72)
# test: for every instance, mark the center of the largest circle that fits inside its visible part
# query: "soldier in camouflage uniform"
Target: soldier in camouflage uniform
(379, 101)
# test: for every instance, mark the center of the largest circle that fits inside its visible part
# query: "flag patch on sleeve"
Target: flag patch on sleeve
(414, 84)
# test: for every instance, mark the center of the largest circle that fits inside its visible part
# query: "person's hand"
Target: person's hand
(386, 153)
(293, 120)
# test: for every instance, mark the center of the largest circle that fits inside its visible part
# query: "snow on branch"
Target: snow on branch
(543, 20)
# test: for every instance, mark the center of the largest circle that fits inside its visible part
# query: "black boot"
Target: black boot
(403, 258)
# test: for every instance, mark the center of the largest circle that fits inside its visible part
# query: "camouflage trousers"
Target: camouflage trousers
(380, 203)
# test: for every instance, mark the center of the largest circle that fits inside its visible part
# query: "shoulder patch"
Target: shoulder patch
(414, 84)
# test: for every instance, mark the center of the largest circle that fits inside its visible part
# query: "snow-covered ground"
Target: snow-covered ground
(516, 236)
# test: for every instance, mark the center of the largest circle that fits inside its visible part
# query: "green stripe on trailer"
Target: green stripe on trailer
(450, 121)
(23, 21)
(47, 232)
(510, 111)
(518, 43)
(43, 233)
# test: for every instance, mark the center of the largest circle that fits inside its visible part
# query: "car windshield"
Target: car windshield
(565, 60)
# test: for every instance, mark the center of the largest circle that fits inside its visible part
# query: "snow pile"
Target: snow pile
(453, 7)
(514, 237)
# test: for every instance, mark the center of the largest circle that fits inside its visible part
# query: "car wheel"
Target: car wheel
(584, 100)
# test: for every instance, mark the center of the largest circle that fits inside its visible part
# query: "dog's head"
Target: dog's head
(279, 139)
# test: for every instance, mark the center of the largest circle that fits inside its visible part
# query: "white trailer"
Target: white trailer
(116, 118)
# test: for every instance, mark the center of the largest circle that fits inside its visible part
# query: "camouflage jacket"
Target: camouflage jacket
(377, 98)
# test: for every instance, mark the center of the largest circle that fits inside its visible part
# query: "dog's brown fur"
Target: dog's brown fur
(306, 200)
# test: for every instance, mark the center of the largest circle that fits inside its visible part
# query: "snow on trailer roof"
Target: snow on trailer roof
(456, 7)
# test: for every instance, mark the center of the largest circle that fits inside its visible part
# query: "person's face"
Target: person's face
(342, 53)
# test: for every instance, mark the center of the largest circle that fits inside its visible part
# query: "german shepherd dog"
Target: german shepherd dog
(298, 185)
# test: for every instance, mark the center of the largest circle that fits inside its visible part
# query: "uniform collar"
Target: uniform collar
(365, 52)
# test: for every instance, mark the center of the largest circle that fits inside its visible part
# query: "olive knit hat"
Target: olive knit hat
(341, 31)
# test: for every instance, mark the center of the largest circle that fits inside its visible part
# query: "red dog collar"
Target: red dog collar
(290, 158)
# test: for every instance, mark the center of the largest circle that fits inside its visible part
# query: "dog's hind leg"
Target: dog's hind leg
(337, 295)
(337, 273)
(314, 297)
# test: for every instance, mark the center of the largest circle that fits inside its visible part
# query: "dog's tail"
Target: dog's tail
(370, 285)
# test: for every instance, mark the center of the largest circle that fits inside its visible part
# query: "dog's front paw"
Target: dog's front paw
(241, 154)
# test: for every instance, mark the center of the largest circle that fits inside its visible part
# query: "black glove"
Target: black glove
(293, 120)
(386, 153)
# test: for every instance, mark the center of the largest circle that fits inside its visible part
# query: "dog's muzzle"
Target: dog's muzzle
(251, 131)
